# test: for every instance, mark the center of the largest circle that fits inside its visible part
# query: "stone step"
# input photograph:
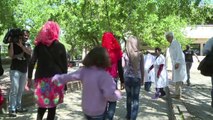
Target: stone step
(28, 96)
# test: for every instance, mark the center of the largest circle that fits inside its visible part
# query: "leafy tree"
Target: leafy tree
(83, 22)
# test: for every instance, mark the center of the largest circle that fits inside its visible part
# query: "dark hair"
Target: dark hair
(27, 31)
(98, 57)
(187, 47)
(157, 49)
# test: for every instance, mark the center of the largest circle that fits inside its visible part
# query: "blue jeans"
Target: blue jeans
(110, 110)
(132, 86)
(99, 117)
(18, 81)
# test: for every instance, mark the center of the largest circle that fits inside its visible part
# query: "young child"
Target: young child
(98, 85)
(161, 77)
(149, 78)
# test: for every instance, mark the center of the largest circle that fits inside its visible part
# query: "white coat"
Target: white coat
(149, 60)
(162, 81)
(177, 56)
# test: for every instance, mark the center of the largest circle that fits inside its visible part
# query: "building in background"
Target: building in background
(199, 35)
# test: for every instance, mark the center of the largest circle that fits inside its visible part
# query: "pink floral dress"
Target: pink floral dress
(48, 94)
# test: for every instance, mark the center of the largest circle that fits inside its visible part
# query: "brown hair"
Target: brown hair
(98, 57)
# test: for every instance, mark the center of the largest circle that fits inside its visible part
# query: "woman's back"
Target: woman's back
(50, 60)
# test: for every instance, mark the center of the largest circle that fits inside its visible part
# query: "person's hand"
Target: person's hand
(142, 82)
(148, 70)
(118, 93)
(20, 44)
(177, 66)
(122, 86)
(29, 84)
(55, 80)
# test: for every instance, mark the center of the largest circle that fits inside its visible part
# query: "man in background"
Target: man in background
(19, 52)
(189, 60)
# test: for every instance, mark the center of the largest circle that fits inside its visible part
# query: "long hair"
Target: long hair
(133, 52)
(48, 33)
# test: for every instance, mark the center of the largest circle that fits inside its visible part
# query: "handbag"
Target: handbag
(206, 65)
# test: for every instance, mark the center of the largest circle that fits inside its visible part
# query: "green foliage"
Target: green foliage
(83, 22)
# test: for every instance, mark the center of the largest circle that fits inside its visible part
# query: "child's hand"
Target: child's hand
(55, 79)
(122, 86)
(118, 93)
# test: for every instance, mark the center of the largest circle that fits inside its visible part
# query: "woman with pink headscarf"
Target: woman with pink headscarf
(50, 56)
(115, 70)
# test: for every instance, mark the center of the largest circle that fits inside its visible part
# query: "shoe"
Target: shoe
(156, 96)
(21, 110)
(12, 114)
(162, 95)
(188, 84)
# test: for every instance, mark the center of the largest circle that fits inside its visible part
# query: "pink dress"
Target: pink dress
(47, 93)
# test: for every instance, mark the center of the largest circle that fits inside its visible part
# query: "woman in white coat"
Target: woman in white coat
(179, 74)
(161, 77)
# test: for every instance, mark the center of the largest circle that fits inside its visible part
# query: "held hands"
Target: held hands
(55, 80)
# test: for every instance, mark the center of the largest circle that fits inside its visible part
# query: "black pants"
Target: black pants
(147, 86)
(50, 115)
(161, 91)
(212, 93)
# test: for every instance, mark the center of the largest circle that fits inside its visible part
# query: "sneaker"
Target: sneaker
(12, 114)
(156, 96)
(21, 110)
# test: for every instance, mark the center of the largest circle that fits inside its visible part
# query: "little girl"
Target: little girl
(161, 77)
(98, 85)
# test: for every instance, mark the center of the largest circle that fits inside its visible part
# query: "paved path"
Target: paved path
(196, 98)
(196, 101)
(71, 108)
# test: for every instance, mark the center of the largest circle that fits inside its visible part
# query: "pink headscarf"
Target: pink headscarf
(48, 33)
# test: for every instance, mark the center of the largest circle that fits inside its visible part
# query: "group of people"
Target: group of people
(102, 67)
